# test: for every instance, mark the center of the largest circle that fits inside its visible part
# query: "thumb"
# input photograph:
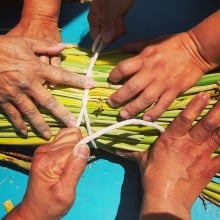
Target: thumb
(46, 47)
(75, 166)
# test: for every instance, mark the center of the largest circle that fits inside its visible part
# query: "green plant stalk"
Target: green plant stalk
(213, 195)
(213, 187)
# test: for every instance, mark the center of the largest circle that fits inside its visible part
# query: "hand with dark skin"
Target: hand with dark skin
(181, 162)
(22, 78)
(39, 20)
(55, 172)
(164, 68)
(107, 18)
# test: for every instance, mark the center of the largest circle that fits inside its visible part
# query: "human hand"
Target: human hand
(107, 18)
(39, 20)
(55, 172)
(165, 67)
(22, 79)
(181, 162)
(42, 29)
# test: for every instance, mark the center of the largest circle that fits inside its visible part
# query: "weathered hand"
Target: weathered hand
(166, 67)
(42, 29)
(181, 162)
(22, 79)
(55, 172)
(107, 18)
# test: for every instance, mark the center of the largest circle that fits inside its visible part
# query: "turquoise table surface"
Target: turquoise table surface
(110, 186)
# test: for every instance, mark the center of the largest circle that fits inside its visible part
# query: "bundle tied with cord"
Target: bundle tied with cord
(99, 123)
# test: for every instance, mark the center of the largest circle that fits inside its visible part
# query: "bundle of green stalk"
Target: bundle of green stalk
(130, 137)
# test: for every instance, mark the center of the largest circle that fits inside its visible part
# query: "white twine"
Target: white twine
(83, 111)
(117, 125)
(96, 49)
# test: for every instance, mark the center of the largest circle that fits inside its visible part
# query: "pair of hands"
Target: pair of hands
(174, 171)
(166, 63)
(29, 59)
(164, 67)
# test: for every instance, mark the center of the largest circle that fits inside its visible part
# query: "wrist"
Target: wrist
(163, 196)
(41, 10)
(163, 208)
(193, 46)
(206, 37)
(14, 214)
(25, 212)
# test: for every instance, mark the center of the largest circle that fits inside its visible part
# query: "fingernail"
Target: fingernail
(81, 151)
(69, 120)
(72, 123)
(61, 45)
(90, 83)
(111, 103)
(147, 118)
(107, 36)
(204, 95)
(124, 114)
(46, 135)
(24, 132)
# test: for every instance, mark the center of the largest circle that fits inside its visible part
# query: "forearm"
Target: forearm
(13, 214)
(206, 36)
(156, 208)
(162, 199)
(37, 9)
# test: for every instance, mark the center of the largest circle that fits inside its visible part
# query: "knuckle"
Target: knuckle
(12, 114)
(76, 138)
(40, 160)
(50, 103)
(41, 126)
(31, 113)
(24, 84)
(62, 199)
(121, 67)
(146, 99)
(216, 135)
(19, 99)
(208, 126)
(66, 76)
(39, 150)
(132, 87)
(198, 136)
(10, 94)
(79, 80)
(184, 120)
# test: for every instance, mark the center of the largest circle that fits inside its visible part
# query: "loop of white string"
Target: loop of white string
(96, 49)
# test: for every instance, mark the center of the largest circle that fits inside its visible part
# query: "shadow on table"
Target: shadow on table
(131, 189)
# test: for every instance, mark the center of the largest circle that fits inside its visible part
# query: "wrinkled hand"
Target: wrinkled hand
(42, 29)
(107, 17)
(181, 163)
(55, 172)
(166, 67)
(22, 79)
